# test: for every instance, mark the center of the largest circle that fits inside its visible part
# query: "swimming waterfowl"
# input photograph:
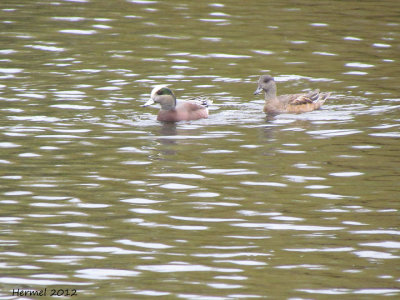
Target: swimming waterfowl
(173, 111)
(292, 103)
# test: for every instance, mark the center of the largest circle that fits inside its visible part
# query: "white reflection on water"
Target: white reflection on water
(229, 171)
(333, 249)
(381, 45)
(242, 262)
(78, 31)
(8, 145)
(342, 291)
(147, 211)
(92, 205)
(204, 219)
(69, 19)
(73, 106)
(305, 266)
(274, 226)
(359, 65)
(142, 222)
(333, 132)
(139, 201)
(10, 220)
(299, 178)
(230, 255)
(177, 186)
(31, 95)
(46, 48)
(275, 184)
(330, 196)
(384, 244)
(387, 134)
(35, 119)
(111, 250)
(375, 254)
(142, 1)
(131, 149)
(72, 233)
(104, 273)
(136, 162)
(317, 187)
(204, 195)
(377, 231)
(231, 277)
(185, 267)
(346, 174)
(143, 244)
(151, 293)
(77, 225)
(333, 291)
(29, 154)
(224, 285)
(10, 70)
(17, 281)
(17, 193)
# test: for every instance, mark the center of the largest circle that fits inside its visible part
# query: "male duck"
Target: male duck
(171, 111)
(292, 103)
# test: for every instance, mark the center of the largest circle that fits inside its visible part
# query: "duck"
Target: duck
(174, 111)
(291, 103)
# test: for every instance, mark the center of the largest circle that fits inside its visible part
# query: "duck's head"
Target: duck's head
(265, 83)
(164, 96)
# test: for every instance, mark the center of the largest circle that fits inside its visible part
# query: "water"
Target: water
(97, 196)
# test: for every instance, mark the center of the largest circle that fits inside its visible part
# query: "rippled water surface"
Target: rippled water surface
(97, 196)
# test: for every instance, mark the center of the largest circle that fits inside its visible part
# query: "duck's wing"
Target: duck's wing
(308, 98)
(201, 100)
(293, 99)
(194, 104)
(307, 102)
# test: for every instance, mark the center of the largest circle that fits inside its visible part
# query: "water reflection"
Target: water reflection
(168, 129)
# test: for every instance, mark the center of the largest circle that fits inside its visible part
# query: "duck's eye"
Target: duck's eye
(164, 91)
(267, 79)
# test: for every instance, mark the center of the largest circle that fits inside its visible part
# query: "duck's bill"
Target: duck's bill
(148, 103)
(258, 90)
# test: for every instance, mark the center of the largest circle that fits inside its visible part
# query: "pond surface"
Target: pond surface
(97, 196)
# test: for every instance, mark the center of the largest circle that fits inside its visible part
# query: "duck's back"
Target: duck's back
(296, 103)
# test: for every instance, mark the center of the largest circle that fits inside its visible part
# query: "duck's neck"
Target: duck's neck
(270, 93)
(169, 103)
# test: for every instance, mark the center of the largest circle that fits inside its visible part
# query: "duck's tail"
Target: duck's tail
(203, 101)
(317, 96)
(323, 96)
(313, 95)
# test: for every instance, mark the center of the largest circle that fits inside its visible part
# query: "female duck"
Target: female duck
(171, 111)
(292, 103)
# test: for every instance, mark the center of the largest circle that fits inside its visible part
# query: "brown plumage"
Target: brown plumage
(291, 103)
